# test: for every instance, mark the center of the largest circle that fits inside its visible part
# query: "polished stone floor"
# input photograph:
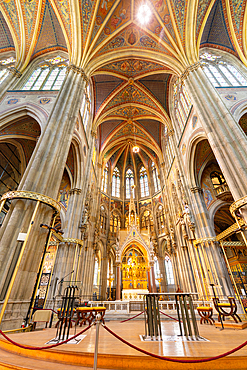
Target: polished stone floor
(217, 342)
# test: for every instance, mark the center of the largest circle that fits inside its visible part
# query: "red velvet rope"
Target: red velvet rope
(47, 347)
(174, 359)
(169, 316)
(131, 318)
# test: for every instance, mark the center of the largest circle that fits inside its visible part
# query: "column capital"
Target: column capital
(189, 69)
(15, 72)
(77, 70)
(75, 191)
(196, 189)
(93, 133)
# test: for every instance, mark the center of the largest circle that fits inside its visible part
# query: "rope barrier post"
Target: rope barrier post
(158, 314)
(98, 319)
(155, 316)
(150, 316)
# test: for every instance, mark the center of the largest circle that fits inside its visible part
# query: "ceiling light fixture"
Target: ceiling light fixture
(144, 14)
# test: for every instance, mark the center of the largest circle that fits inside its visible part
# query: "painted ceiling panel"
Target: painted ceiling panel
(133, 67)
(158, 86)
(215, 32)
(179, 8)
(11, 11)
(6, 41)
(51, 35)
(104, 86)
(129, 95)
(201, 12)
(133, 36)
(29, 9)
(153, 127)
(106, 128)
(133, 112)
(64, 12)
(238, 8)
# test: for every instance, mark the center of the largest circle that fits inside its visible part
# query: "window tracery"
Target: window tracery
(144, 182)
(102, 220)
(169, 271)
(129, 181)
(221, 73)
(182, 104)
(155, 178)
(5, 66)
(105, 179)
(49, 75)
(85, 107)
(114, 222)
(147, 221)
(160, 219)
(116, 183)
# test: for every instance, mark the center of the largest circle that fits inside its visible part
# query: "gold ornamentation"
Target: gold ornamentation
(238, 204)
(203, 240)
(75, 241)
(23, 194)
(230, 230)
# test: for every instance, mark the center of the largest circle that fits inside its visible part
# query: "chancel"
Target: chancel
(123, 128)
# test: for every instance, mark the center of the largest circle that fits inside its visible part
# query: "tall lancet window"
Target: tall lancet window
(48, 76)
(116, 183)
(155, 178)
(144, 182)
(129, 177)
(221, 73)
(5, 66)
(105, 179)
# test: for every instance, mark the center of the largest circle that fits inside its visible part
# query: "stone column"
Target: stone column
(43, 175)
(118, 285)
(10, 81)
(149, 281)
(103, 279)
(226, 138)
(154, 290)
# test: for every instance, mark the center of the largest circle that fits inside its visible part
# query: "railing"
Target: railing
(221, 189)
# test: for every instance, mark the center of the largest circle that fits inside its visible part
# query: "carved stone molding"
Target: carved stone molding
(15, 72)
(189, 69)
(75, 191)
(23, 194)
(196, 189)
(78, 70)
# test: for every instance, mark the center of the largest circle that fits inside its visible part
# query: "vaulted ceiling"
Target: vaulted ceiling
(131, 64)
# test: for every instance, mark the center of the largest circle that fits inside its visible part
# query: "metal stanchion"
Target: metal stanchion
(98, 319)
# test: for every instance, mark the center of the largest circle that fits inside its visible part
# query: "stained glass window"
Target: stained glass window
(4, 67)
(221, 73)
(105, 179)
(49, 75)
(144, 182)
(116, 183)
(169, 271)
(129, 177)
(182, 104)
(155, 178)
